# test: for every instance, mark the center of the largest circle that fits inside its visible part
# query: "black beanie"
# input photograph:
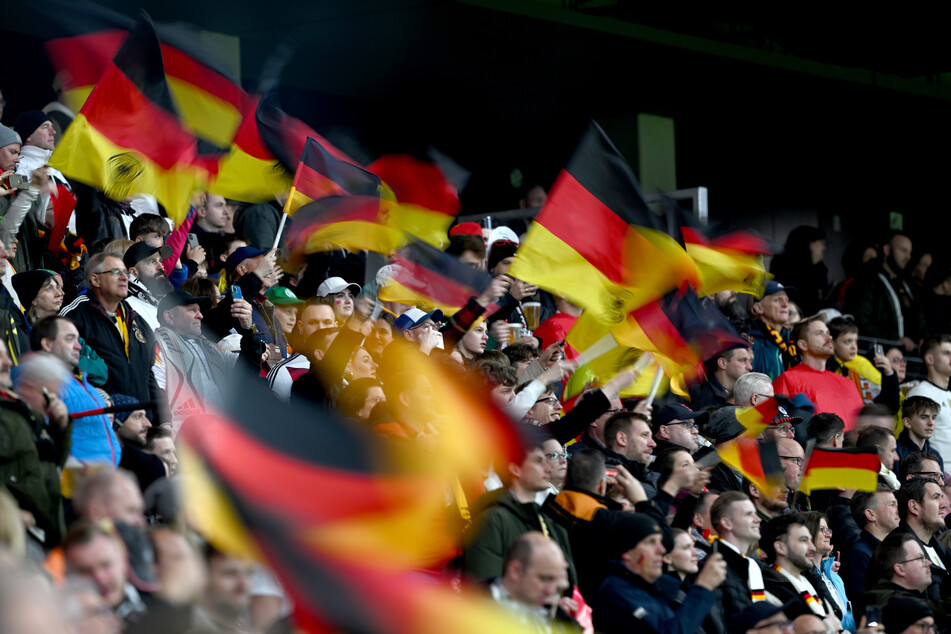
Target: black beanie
(499, 250)
(27, 123)
(629, 530)
(28, 285)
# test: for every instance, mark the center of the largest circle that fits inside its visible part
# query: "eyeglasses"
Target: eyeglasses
(922, 558)
(825, 530)
(937, 475)
(799, 461)
(551, 455)
(115, 272)
(615, 411)
(425, 326)
(551, 400)
(689, 423)
(782, 429)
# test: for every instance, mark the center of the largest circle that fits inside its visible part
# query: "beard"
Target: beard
(158, 286)
(800, 561)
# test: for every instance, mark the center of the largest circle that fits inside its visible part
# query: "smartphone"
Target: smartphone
(877, 349)
(18, 181)
(873, 615)
(192, 241)
(236, 292)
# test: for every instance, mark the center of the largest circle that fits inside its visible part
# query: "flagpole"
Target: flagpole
(280, 230)
(655, 385)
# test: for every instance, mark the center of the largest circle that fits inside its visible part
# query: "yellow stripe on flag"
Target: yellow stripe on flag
(427, 225)
(355, 235)
(727, 270)
(838, 478)
(249, 179)
(210, 118)
(88, 156)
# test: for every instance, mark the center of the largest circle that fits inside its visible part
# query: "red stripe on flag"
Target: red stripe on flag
(742, 241)
(843, 460)
(657, 326)
(248, 137)
(693, 236)
(82, 59)
(185, 67)
(750, 459)
(584, 223)
(314, 185)
(334, 494)
(118, 111)
(63, 204)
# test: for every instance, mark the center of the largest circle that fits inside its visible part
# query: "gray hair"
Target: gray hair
(749, 384)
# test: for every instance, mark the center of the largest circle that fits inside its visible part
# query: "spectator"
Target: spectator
(735, 521)
(773, 350)
(630, 443)
(337, 290)
(882, 299)
(751, 389)
(629, 598)
(800, 265)
(824, 574)
(827, 429)
(722, 373)
(226, 602)
(160, 441)
(148, 282)
(918, 503)
(286, 306)
(828, 391)
(678, 426)
(877, 382)
(918, 418)
(315, 314)
(904, 571)
(936, 353)
(876, 514)
(132, 428)
(884, 444)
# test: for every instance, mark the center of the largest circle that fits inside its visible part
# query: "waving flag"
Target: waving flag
(848, 468)
(321, 174)
(596, 242)
(128, 138)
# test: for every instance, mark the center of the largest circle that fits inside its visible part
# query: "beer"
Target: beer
(533, 314)
(516, 332)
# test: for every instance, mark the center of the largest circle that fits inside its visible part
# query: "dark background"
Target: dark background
(788, 118)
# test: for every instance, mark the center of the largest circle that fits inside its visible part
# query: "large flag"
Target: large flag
(595, 241)
(725, 261)
(86, 37)
(343, 516)
(848, 468)
(428, 203)
(321, 174)
(128, 138)
(427, 277)
(249, 171)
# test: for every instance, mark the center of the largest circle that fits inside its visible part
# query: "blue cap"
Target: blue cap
(240, 255)
(773, 287)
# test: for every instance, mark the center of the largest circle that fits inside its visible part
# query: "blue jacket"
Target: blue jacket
(767, 356)
(626, 602)
(93, 437)
(848, 620)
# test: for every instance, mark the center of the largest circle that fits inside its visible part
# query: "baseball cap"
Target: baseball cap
(178, 298)
(723, 425)
(141, 250)
(760, 611)
(678, 411)
(333, 285)
(240, 255)
(773, 287)
(470, 228)
(283, 296)
(414, 317)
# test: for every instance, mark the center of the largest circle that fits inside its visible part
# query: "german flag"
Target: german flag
(680, 328)
(725, 261)
(87, 38)
(849, 468)
(344, 222)
(128, 139)
(321, 174)
(595, 241)
(250, 172)
(428, 277)
(758, 461)
(428, 203)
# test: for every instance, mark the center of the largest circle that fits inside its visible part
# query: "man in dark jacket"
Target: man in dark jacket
(501, 516)
(635, 593)
(116, 332)
(919, 500)
(903, 569)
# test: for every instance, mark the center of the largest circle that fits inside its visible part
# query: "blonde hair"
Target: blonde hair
(12, 534)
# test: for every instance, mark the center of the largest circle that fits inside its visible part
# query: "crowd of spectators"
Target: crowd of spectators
(616, 515)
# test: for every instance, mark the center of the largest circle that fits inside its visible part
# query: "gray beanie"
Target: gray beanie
(8, 136)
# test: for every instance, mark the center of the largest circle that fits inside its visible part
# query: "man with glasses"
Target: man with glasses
(909, 615)
(919, 501)
(114, 330)
(905, 572)
(827, 390)
(421, 328)
(678, 425)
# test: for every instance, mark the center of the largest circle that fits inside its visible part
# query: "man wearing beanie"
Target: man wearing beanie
(131, 429)
(908, 615)
(636, 591)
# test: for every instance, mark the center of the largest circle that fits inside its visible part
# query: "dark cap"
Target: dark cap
(141, 250)
(773, 287)
(760, 611)
(240, 255)
(27, 123)
(901, 611)
(784, 416)
(723, 425)
(677, 411)
(629, 530)
(177, 298)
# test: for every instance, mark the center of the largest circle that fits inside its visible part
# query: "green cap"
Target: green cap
(283, 296)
